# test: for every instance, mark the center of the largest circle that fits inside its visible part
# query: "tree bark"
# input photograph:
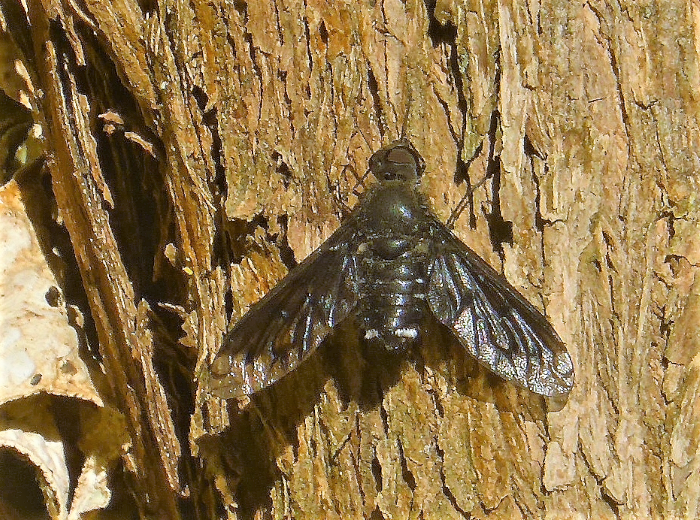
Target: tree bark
(198, 150)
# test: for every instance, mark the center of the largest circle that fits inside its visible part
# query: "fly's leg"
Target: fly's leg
(342, 203)
(467, 199)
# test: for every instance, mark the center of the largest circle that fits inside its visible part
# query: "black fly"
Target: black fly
(390, 264)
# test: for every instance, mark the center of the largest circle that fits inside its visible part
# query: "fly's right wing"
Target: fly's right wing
(291, 321)
(493, 321)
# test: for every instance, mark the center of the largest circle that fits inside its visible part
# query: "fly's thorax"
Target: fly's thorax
(394, 208)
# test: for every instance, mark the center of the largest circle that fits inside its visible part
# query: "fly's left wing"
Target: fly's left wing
(496, 324)
(290, 322)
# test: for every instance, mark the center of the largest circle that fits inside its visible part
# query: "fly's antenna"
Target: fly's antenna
(405, 116)
(361, 180)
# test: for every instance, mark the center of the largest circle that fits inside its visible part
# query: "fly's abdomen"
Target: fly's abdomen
(393, 287)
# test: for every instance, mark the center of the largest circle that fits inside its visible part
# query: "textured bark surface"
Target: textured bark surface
(196, 149)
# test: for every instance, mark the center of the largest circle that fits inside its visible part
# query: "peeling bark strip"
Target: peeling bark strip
(232, 135)
(85, 201)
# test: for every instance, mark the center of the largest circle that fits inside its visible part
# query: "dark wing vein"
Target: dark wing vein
(290, 322)
(496, 325)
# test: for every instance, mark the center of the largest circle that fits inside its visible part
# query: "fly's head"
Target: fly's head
(397, 163)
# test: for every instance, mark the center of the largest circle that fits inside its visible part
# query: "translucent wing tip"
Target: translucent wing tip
(224, 381)
(564, 370)
(555, 379)
(225, 388)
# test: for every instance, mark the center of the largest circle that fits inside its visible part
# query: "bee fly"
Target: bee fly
(390, 264)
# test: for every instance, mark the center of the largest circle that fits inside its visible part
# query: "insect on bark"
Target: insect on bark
(390, 264)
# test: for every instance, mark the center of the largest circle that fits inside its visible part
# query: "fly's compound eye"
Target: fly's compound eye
(397, 162)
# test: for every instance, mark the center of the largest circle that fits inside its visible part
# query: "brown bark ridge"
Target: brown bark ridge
(195, 149)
